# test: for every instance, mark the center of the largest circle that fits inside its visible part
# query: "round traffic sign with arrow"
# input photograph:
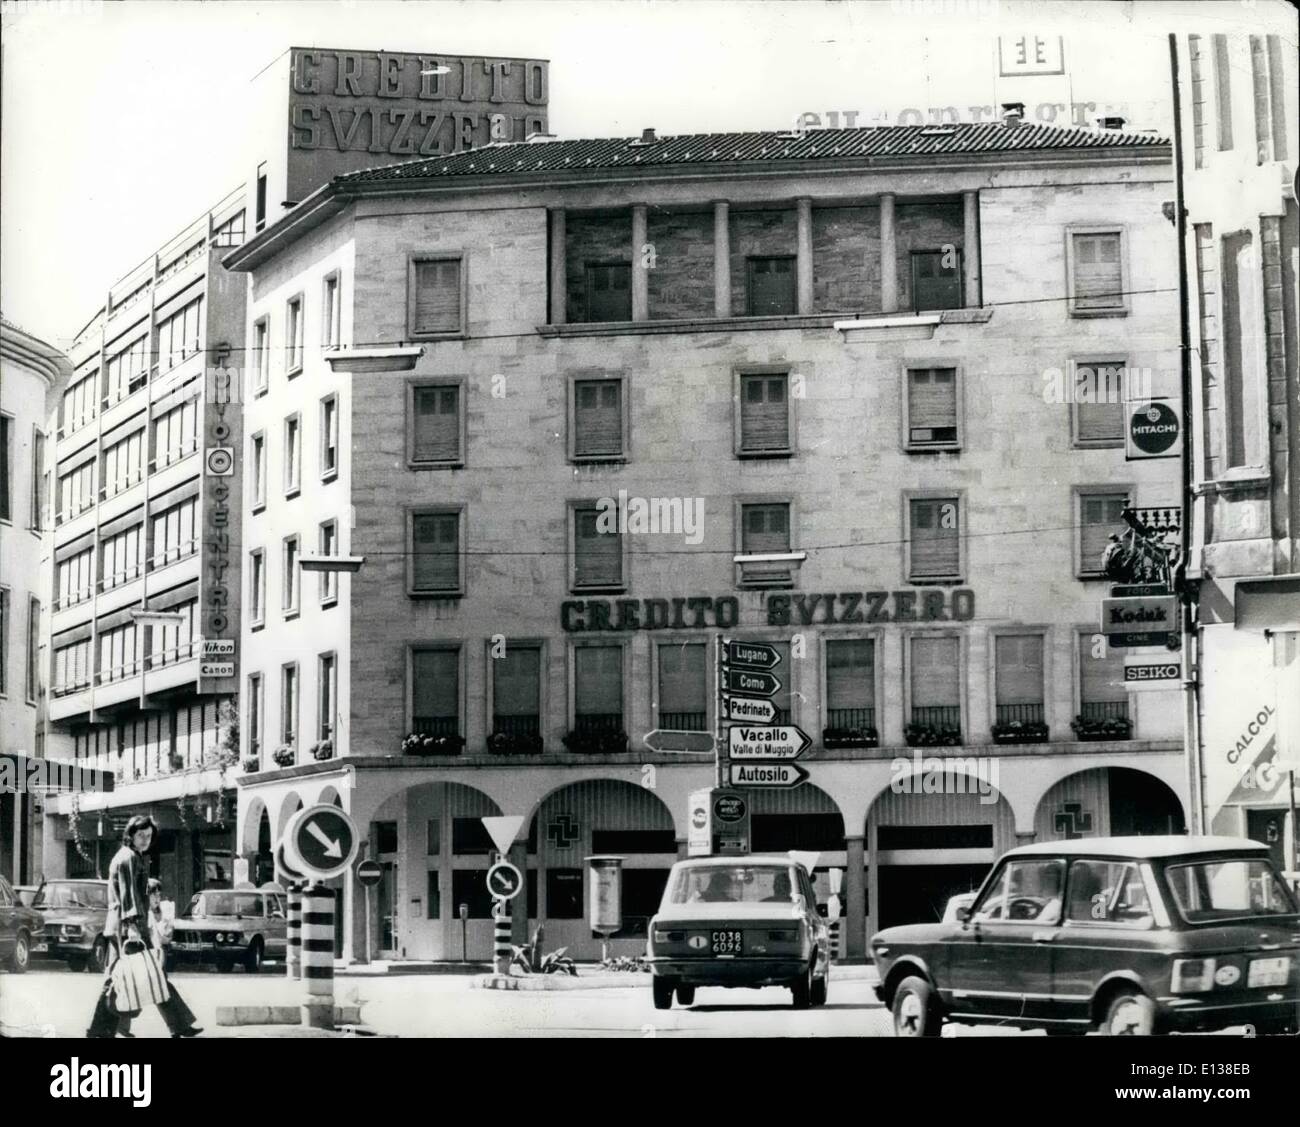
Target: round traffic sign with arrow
(504, 881)
(320, 841)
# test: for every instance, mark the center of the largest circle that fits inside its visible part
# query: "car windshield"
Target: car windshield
(1210, 891)
(72, 896)
(207, 905)
(733, 884)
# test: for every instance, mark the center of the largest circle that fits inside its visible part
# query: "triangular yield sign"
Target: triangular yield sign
(503, 830)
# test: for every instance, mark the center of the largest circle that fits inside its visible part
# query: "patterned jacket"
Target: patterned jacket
(128, 893)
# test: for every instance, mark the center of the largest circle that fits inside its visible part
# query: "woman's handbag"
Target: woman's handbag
(138, 979)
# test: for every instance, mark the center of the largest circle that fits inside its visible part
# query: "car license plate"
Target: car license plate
(38, 948)
(1268, 972)
(727, 943)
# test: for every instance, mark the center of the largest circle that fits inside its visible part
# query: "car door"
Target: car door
(816, 925)
(8, 920)
(999, 962)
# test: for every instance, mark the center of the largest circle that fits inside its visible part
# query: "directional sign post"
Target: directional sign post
(753, 683)
(772, 742)
(767, 774)
(751, 710)
(672, 740)
(320, 841)
(752, 655)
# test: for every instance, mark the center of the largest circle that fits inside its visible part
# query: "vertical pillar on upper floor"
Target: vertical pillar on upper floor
(971, 248)
(888, 256)
(721, 258)
(640, 269)
(559, 273)
(804, 259)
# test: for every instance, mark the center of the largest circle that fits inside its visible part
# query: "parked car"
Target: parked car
(227, 927)
(1132, 935)
(956, 904)
(738, 921)
(26, 893)
(22, 931)
(74, 912)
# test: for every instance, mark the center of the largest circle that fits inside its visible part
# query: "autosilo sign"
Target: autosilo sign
(1153, 429)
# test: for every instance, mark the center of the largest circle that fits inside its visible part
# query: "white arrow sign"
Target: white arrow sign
(767, 774)
(747, 708)
(331, 846)
(784, 741)
(503, 830)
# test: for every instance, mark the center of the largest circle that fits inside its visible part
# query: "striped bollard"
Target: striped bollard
(501, 935)
(835, 940)
(293, 950)
(318, 957)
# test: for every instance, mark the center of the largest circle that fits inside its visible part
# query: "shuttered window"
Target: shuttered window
(597, 418)
(120, 557)
(765, 528)
(598, 686)
(682, 687)
(936, 673)
(123, 464)
(292, 455)
(851, 683)
(1101, 679)
(289, 705)
(117, 653)
(517, 689)
(597, 555)
(259, 470)
(609, 291)
(74, 579)
(771, 286)
(1099, 402)
(436, 425)
(1098, 278)
(436, 548)
(1222, 92)
(329, 436)
(935, 543)
(256, 585)
(936, 285)
(1019, 677)
(764, 414)
(435, 304)
(436, 691)
(1100, 517)
(289, 575)
(932, 407)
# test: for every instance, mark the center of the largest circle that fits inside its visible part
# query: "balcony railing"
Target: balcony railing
(598, 722)
(173, 655)
(436, 725)
(1025, 713)
(119, 672)
(851, 718)
(1104, 710)
(937, 715)
(126, 575)
(684, 721)
(517, 725)
(173, 454)
(181, 551)
(72, 599)
(120, 484)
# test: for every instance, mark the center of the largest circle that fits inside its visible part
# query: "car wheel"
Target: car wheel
(99, 956)
(22, 956)
(820, 988)
(802, 989)
(686, 995)
(663, 992)
(1130, 1014)
(225, 966)
(915, 1012)
(78, 964)
(256, 953)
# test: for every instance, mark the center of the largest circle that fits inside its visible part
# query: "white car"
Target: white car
(961, 900)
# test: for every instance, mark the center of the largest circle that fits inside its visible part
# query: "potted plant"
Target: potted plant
(284, 755)
(323, 750)
(833, 738)
(420, 743)
(1102, 727)
(583, 741)
(531, 960)
(1020, 732)
(932, 735)
(514, 743)
(176, 760)
(251, 764)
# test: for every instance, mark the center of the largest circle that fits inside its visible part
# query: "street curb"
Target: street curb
(280, 1015)
(375, 970)
(616, 981)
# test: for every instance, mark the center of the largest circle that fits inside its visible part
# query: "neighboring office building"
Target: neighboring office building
(31, 373)
(1240, 150)
(839, 344)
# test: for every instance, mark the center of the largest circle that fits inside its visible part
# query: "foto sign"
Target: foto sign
(320, 841)
(1145, 674)
(780, 742)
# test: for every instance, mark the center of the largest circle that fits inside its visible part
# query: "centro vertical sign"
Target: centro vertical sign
(219, 579)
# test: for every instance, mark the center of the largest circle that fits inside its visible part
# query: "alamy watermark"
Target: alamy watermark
(930, 774)
(40, 776)
(672, 516)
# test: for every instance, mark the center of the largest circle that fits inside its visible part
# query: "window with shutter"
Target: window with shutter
(598, 556)
(764, 414)
(932, 407)
(765, 528)
(435, 704)
(436, 424)
(609, 291)
(1100, 517)
(292, 465)
(598, 687)
(256, 585)
(935, 543)
(1101, 679)
(1099, 402)
(437, 299)
(329, 586)
(289, 704)
(598, 419)
(436, 539)
(851, 683)
(934, 284)
(293, 336)
(936, 681)
(682, 687)
(1018, 680)
(516, 690)
(329, 436)
(771, 286)
(289, 589)
(1098, 278)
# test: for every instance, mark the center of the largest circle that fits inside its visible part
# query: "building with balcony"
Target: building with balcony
(583, 406)
(144, 596)
(1240, 147)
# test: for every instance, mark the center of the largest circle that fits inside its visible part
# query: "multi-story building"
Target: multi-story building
(876, 365)
(31, 371)
(1240, 146)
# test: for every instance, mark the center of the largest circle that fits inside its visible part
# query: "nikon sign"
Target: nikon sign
(1153, 430)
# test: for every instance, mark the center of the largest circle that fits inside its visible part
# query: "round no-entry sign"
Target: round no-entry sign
(320, 841)
(369, 873)
(504, 881)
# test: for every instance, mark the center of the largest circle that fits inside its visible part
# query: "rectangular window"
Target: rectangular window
(173, 533)
(435, 553)
(517, 691)
(261, 354)
(764, 414)
(38, 478)
(292, 456)
(1100, 516)
(332, 314)
(433, 837)
(765, 528)
(597, 551)
(329, 580)
(436, 297)
(436, 424)
(851, 683)
(932, 408)
(127, 371)
(176, 434)
(770, 286)
(254, 714)
(174, 642)
(1260, 98)
(1222, 92)
(936, 683)
(289, 705)
(4, 641)
(72, 669)
(1098, 403)
(117, 654)
(1096, 272)
(435, 692)
(683, 686)
(469, 837)
(181, 335)
(1242, 329)
(1102, 695)
(121, 557)
(598, 688)
(76, 491)
(6, 467)
(257, 586)
(598, 419)
(74, 579)
(80, 401)
(1277, 97)
(564, 894)
(326, 688)
(293, 336)
(433, 896)
(1019, 678)
(257, 456)
(1196, 61)
(936, 280)
(329, 437)
(469, 890)
(289, 585)
(123, 464)
(934, 548)
(259, 206)
(609, 291)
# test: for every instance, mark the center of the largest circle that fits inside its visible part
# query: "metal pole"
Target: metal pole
(501, 935)
(293, 941)
(369, 890)
(1294, 859)
(722, 708)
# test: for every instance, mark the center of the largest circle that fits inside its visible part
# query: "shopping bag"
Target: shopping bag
(138, 980)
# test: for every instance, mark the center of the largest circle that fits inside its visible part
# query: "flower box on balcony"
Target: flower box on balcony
(833, 738)
(251, 765)
(932, 735)
(515, 743)
(323, 750)
(1020, 732)
(1105, 728)
(418, 743)
(284, 755)
(176, 762)
(596, 743)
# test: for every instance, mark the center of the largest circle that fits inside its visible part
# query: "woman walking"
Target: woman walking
(128, 921)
